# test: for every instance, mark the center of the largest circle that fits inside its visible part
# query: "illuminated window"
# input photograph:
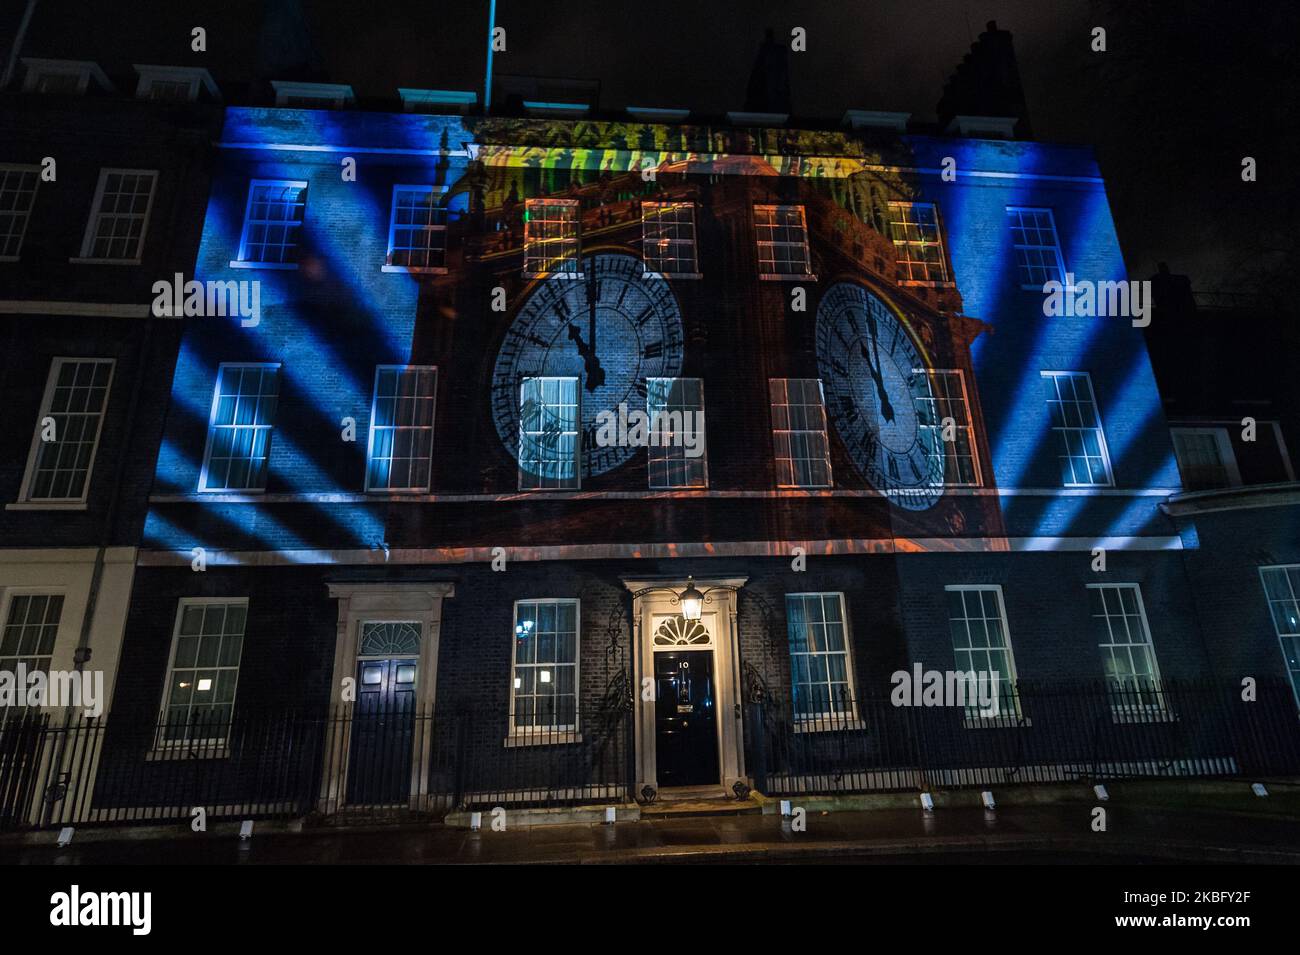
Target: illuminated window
(918, 245)
(549, 445)
(544, 671)
(799, 432)
(401, 428)
(272, 223)
(239, 429)
(675, 407)
(1081, 443)
(668, 238)
(119, 217)
(207, 642)
(67, 430)
(942, 398)
(1127, 655)
(30, 630)
(417, 231)
(1282, 590)
(17, 196)
(551, 237)
(821, 667)
(1038, 251)
(981, 644)
(782, 242)
(1205, 458)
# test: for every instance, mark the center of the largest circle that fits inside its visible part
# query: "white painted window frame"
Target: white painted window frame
(1011, 678)
(1159, 710)
(1222, 439)
(577, 444)
(214, 748)
(576, 239)
(1292, 676)
(703, 458)
(92, 224)
(904, 246)
(212, 419)
(20, 169)
(1056, 246)
(370, 442)
(825, 432)
(242, 262)
(969, 427)
(558, 734)
(51, 381)
(686, 273)
(393, 227)
(772, 244)
(1100, 429)
(831, 721)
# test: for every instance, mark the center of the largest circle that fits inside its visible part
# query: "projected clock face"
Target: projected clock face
(611, 329)
(874, 375)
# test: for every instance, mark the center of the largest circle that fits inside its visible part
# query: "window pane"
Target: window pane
(240, 437)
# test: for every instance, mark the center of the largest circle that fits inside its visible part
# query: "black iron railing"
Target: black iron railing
(1049, 732)
(58, 770)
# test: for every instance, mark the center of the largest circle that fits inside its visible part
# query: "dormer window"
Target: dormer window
(312, 95)
(437, 101)
(62, 77)
(174, 84)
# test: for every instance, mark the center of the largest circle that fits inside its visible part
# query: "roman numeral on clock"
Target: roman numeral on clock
(653, 350)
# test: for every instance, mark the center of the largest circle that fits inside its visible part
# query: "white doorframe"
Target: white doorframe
(370, 602)
(721, 605)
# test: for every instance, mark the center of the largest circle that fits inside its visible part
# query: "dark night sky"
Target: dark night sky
(1185, 90)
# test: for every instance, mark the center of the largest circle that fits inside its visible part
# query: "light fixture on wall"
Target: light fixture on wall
(692, 600)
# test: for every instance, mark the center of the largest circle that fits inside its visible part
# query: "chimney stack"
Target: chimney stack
(986, 83)
(769, 83)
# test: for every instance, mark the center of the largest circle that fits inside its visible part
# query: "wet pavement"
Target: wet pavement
(1046, 834)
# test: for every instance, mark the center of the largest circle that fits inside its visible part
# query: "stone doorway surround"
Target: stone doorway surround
(657, 596)
(372, 603)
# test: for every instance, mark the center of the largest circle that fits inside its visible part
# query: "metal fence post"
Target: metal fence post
(759, 738)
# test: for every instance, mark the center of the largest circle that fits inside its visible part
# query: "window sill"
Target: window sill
(574, 276)
(558, 738)
(252, 492)
(196, 750)
(774, 277)
(46, 506)
(87, 261)
(281, 266)
(995, 722)
(427, 270)
(672, 275)
(1153, 715)
(827, 724)
(918, 283)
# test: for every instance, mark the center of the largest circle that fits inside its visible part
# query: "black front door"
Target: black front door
(379, 764)
(686, 719)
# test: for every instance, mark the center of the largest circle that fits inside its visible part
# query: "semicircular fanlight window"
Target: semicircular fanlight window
(389, 639)
(680, 632)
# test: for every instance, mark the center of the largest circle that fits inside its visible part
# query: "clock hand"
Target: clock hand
(593, 296)
(590, 363)
(886, 409)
